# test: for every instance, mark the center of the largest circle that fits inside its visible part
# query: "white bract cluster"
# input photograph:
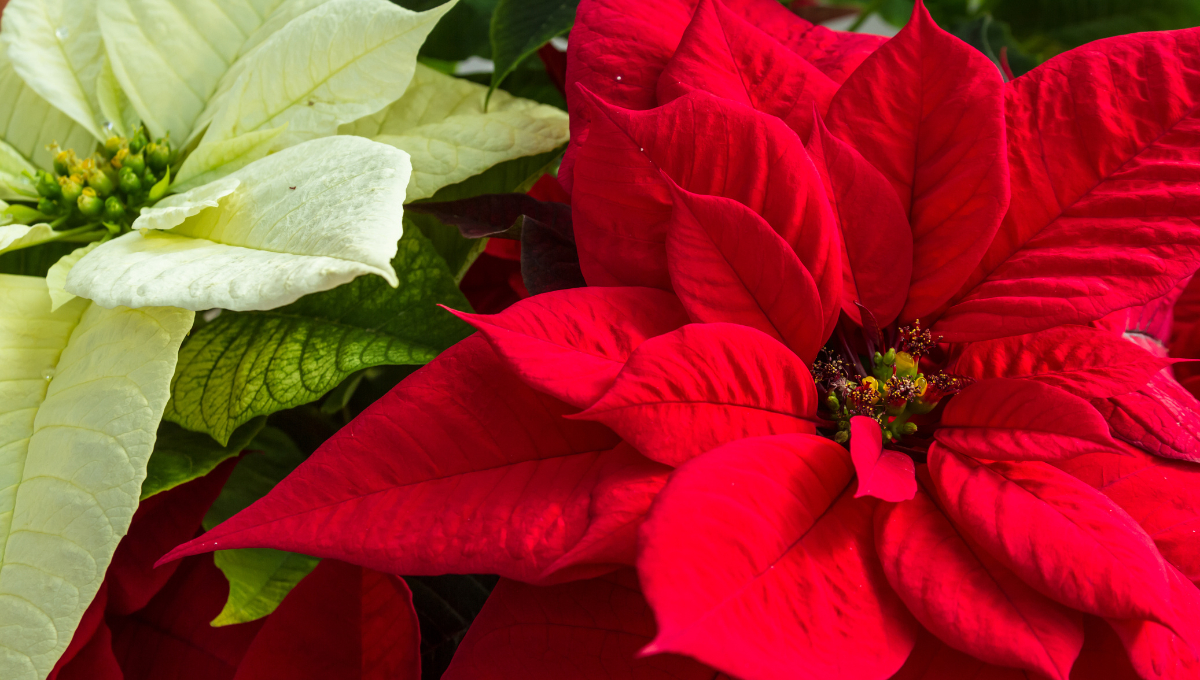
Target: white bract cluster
(303, 127)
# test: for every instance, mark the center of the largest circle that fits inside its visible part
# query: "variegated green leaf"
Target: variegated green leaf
(82, 390)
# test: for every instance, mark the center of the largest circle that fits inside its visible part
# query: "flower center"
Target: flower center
(891, 387)
(108, 188)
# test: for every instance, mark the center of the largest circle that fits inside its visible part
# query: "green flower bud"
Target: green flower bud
(72, 187)
(49, 206)
(90, 204)
(890, 357)
(47, 186)
(135, 162)
(112, 145)
(158, 154)
(843, 424)
(138, 141)
(130, 184)
(908, 428)
(149, 179)
(114, 209)
(100, 182)
(160, 189)
(832, 402)
(841, 437)
(63, 161)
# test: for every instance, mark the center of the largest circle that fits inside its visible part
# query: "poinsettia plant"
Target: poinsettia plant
(853, 389)
(247, 159)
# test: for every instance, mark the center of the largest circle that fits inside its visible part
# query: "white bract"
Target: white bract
(307, 124)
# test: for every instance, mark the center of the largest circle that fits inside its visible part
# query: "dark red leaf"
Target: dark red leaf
(884, 474)
(967, 598)
(571, 344)
(758, 560)
(1105, 188)
(549, 259)
(1013, 419)
(496, 214)
(1162, 418)
(585, 630)
(693, 389)
(927, 110)
(727, 265)
(1087, 362)
(1059, 535)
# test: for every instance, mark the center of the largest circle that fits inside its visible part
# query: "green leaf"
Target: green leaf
(461, 34)
(35, 261)
(83, 390)
(441, 123)
(181, 455)
(244, 365)
(258, 578)
(520, 27)
(515, 175)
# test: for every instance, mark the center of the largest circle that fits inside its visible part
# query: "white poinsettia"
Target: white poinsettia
(236, 154)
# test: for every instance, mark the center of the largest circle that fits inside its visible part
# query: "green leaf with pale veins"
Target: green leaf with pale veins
(258, 578)
(248, 364)
(520, 27)
(181, 455)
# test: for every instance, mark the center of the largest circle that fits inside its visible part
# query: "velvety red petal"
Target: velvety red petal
(727, 265)
(887, 475)
(932, 659)
(1104, 152)
(758, 560)
(703, 385)
(572, 343)
(1059, 535)
(161, 522)
(877, 241)
(1103, 656)
(433, 478)
(585, 630)
(341, 622)
(706, 145)
(967, 598)
(1157, 652)
(1086, 362)
(171, 639)
(1013, 419)
(1162, 418)
(1162, 495)
(927, 110)
(723, 54)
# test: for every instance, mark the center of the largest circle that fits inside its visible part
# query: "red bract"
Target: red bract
(745, 189)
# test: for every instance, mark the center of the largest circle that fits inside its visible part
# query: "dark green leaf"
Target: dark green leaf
(446, 606)
(35, 261)
(247, 364)
(463, 32)
(520, 27)
(181, 455)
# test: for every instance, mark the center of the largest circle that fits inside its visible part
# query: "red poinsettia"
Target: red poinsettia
(795, 239)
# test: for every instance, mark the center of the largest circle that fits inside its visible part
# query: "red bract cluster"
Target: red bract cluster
(960, 262)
